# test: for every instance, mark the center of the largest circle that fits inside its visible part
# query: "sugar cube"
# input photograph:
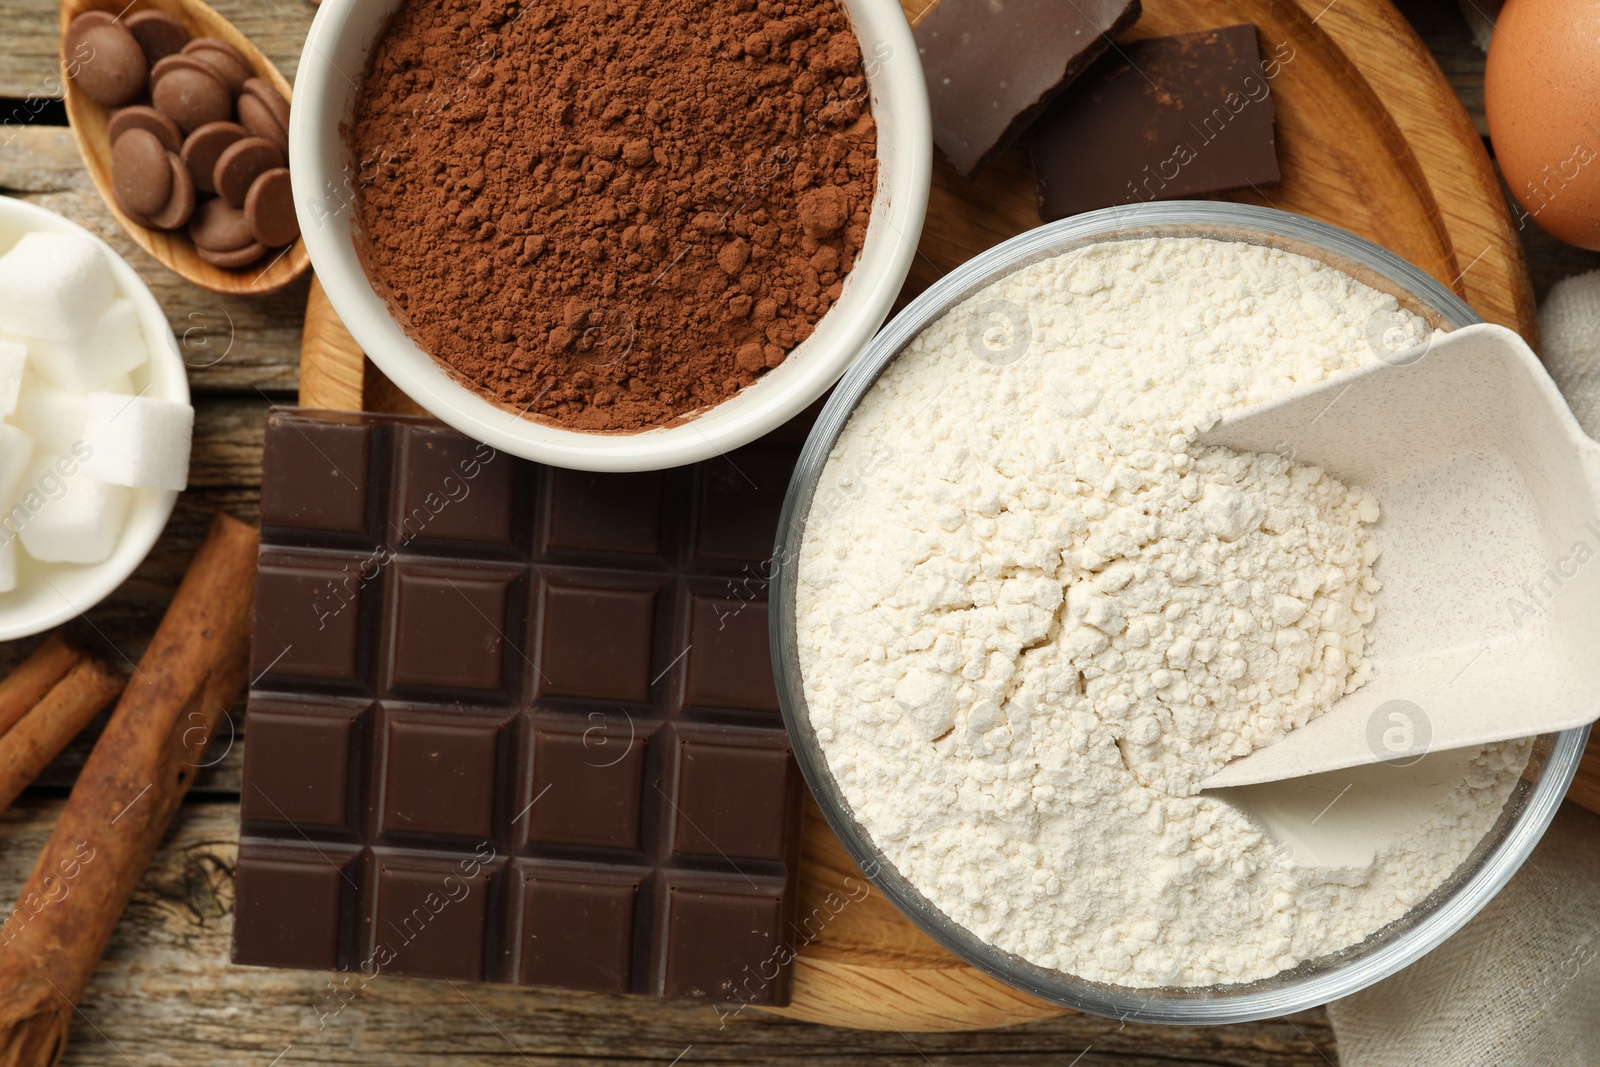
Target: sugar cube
(16, 452)
(138, 441)
(8, 562)
(13, 361)
(54, 285)
(54, 417)
(70, 517)
(110, 348)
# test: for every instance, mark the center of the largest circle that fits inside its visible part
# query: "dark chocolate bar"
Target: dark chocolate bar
(1160, 119)
(515, 724)
(993, 65)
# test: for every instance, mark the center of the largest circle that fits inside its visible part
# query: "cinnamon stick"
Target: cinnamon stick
(34, 677)
(125, 797)
(40, 734)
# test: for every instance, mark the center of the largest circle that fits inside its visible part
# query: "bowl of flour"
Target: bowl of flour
(1019, 614)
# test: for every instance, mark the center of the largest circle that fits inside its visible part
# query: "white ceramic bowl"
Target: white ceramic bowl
(325, 92)
(48, 594)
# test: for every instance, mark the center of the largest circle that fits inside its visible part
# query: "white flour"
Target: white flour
(1026, 638)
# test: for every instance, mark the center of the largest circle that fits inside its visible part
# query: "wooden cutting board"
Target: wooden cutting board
(1370, 138)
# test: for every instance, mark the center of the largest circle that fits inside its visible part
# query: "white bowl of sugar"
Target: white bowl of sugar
(97, 398)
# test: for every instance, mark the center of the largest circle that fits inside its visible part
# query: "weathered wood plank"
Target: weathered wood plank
(31, 29)
(165, 991)
(229, 342)
(28, 42)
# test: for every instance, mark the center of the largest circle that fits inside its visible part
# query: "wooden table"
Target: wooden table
(165, 992)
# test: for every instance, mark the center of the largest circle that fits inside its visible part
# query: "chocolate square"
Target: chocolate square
(741, 495)
(1165, 118)
(288, 905)
(439, 776)
(585, 788)
(718, 783)
(577, 928)
(604, 512)
(430, 919)
(595, 642)
(730, 659)
(452, 488)
(316, 473)
(308, 620)
(299, 766)
(451, 629)
(721, 942)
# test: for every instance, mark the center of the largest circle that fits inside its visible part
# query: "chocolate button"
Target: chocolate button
(78, 27)
(114, 71)
(220, 227)
(181, 205)
(141, 117)
(158, 33)
(189, 93)
(239, 257)
(263, 91)
(221, 57)
(240, 164)
(260, 120)
(269, 208)
(140, 171)
(202, 148)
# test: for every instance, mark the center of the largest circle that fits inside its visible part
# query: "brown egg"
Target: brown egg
(1542, 93)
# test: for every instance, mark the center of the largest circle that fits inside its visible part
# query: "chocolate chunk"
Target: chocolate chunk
(269, 208)
(240, 164)
(181, 203)
(189, 93)
(112, 70)
(204, 146)
(227, 61)
(543, 696)
(142, 117)
(158, 33)
(1168, 118)
(140, 171)
(991, 68)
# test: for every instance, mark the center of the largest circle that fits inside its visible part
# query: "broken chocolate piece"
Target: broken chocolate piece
(991, 67)
(1160, 119)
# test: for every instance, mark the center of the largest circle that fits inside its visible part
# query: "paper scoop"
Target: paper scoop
(1488, 622)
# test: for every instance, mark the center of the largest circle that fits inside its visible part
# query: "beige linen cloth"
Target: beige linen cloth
(1519, 986)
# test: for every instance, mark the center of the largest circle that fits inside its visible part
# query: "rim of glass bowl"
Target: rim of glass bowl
(1498, 856)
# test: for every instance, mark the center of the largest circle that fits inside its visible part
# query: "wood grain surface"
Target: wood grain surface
(165, 993)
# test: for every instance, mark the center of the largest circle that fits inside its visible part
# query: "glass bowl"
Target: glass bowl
(1316, 981)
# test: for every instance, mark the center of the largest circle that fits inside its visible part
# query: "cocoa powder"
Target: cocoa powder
(612, 215)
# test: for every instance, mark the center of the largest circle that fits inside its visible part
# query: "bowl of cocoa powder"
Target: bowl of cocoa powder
(612, 235)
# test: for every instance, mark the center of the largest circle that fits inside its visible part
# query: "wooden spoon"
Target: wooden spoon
(172, 248)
